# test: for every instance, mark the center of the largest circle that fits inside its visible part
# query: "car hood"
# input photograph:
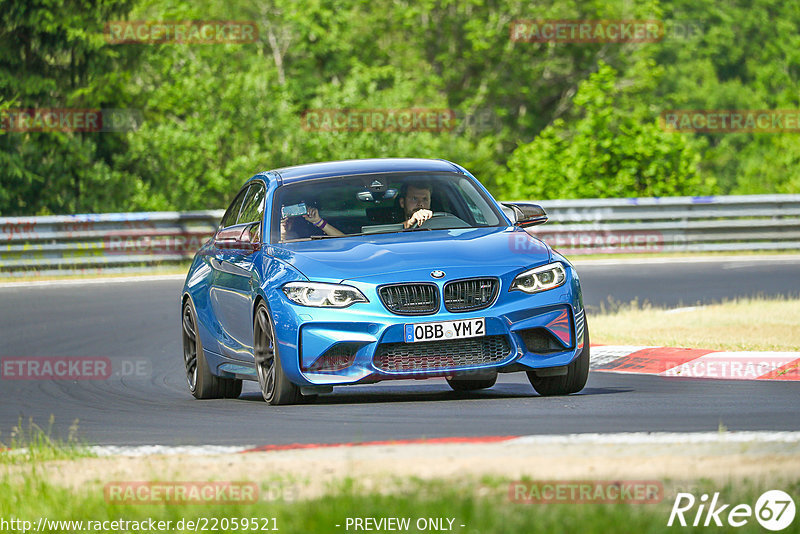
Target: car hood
(386, 255)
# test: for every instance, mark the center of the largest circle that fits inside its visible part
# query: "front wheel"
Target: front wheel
(572, 382)
(275, 387)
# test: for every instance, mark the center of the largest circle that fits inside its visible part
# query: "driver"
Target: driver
(415, 200)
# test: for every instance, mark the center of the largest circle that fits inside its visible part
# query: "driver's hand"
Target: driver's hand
(419, 217)
(312, 216)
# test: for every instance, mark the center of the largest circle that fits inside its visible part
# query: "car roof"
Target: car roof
(350, 167)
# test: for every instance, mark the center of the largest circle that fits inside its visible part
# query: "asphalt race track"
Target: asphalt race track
(137, 324)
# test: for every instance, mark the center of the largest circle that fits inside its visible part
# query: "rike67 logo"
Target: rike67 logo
(774, 510)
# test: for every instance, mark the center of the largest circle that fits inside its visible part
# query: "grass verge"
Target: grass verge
(28, 443)
(752, 324)
(467, 507)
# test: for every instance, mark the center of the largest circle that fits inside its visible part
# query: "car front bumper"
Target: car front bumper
(365, 343)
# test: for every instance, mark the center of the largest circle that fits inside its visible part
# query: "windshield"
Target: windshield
(380, 203)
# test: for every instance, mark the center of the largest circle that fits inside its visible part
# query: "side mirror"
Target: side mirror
(227, 237)
(251, 237)
(238, 237)
(524, 215)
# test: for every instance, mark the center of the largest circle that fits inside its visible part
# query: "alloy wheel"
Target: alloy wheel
(264, 353)
(190, 347)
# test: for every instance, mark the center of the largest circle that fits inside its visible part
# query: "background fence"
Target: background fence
(672, 224)
(141, 241)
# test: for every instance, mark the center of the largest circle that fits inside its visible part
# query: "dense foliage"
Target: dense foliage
(545, 119)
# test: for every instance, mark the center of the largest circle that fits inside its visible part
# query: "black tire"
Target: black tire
(471, 385)
(202, 383)
(572, 382)
(275, 386)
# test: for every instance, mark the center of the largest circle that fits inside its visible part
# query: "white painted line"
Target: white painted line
(626, 438)
(90, 281)
(634, 438)
(791, 258)
(684, 309)
(152, 450)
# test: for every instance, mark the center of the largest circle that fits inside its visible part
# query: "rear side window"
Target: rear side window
(253, 208)
(229, 219)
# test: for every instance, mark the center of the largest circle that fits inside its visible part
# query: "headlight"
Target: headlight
(321, 295)
(540, 279)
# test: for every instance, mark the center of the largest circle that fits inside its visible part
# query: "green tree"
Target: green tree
(53, 55)
(216, 114)
(610, 150)
(739, 55)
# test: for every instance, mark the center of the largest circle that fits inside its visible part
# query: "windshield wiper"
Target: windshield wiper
(326, 236)
(392, 231)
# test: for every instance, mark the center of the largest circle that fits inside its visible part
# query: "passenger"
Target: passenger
(291, 229)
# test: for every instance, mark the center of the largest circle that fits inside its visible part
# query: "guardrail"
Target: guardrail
(672, 224)
(107, 242)
(141, 241)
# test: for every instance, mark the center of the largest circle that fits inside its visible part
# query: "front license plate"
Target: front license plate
(445, 330)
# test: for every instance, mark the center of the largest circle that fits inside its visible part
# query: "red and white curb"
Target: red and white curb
(203, 450)
(696, 363)
(626, 438)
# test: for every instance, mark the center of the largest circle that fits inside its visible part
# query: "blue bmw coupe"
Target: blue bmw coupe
(354, 272)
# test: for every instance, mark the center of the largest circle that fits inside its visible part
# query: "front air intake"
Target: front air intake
(339, 357)
(540, 341)
(441, 355)
(470, 295)
(410, 299)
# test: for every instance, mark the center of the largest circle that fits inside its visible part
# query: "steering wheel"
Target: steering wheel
(442, 220)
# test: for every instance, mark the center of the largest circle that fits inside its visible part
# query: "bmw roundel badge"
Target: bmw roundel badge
(437, 273)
